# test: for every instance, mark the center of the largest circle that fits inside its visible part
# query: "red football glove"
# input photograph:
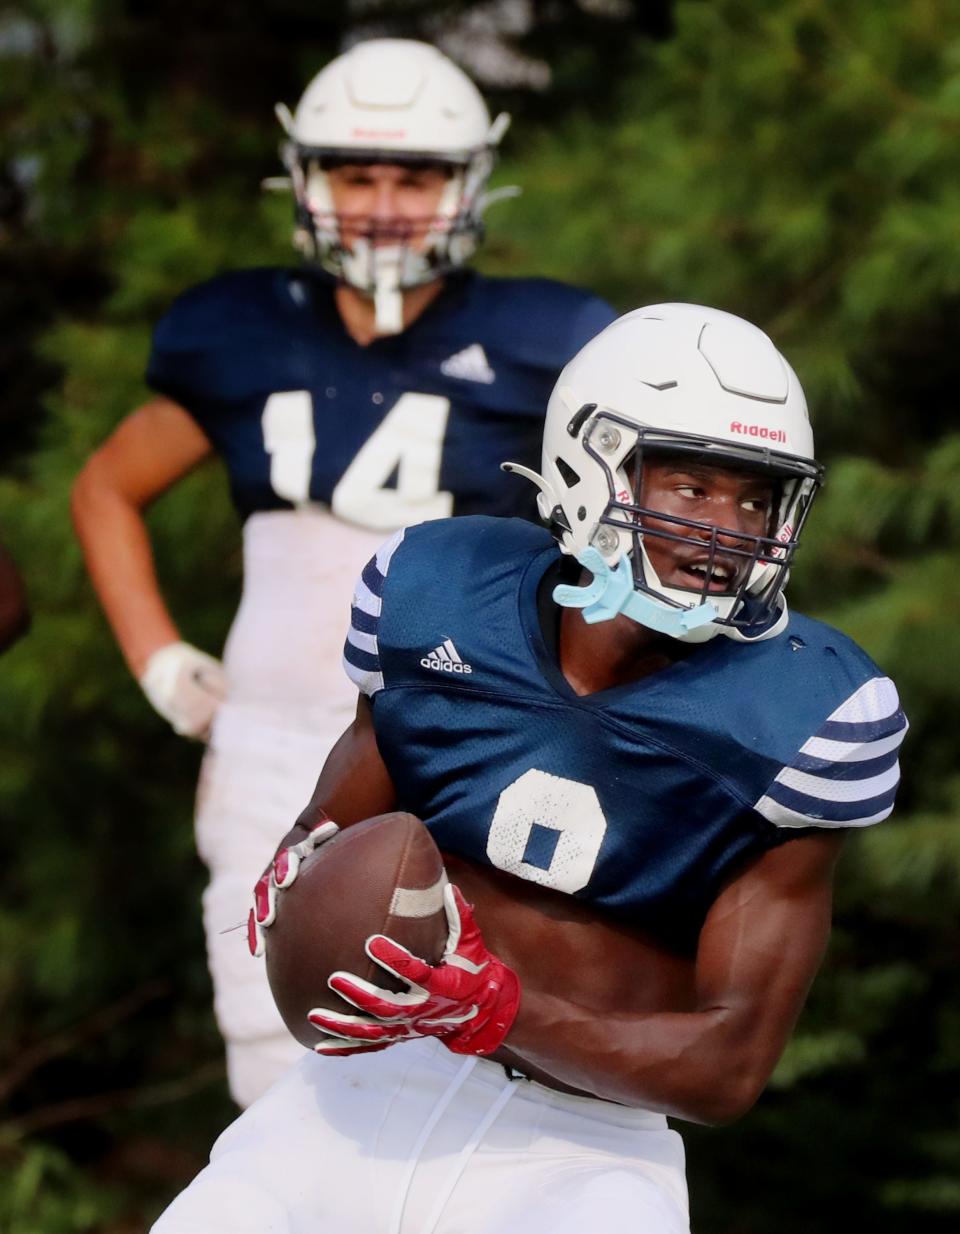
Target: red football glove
(470, 999)
(276, 877)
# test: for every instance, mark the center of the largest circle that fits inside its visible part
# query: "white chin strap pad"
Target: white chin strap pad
(386, 267)
(388, 307)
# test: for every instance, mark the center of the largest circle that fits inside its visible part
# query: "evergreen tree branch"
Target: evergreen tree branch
(87, 1109)
(69, 1039)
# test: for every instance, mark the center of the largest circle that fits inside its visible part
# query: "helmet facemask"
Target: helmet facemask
(754, 567)
(385, 257)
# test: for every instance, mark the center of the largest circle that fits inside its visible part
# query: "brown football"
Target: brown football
(382, 876)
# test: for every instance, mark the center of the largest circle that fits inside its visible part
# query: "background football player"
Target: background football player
(648, 736)
(375, 387)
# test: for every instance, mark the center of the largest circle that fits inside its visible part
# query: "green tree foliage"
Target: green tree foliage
(791, 160)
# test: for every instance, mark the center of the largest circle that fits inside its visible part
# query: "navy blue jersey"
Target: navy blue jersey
(643, 799)
(412, 426)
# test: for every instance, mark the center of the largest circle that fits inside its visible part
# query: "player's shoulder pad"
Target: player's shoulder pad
(540, 321)
(846, 771)
(211, 311)
(419, 573)
(469, 544)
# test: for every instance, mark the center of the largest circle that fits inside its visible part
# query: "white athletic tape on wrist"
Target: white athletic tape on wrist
(185, 686)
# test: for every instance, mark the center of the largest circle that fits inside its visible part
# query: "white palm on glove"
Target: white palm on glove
(278, 876)
(185, 686)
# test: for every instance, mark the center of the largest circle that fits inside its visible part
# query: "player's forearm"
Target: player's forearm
(707, 1059)
(704, 1066)
(120, 562)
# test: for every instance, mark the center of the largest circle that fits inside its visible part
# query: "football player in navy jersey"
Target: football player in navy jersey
(377, 386)
(640, 787)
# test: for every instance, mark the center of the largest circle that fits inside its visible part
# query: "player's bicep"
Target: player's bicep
(149, 450)
(354, 783)
(763, 942)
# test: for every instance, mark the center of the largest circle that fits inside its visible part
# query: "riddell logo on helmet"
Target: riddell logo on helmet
(380, 134)
(783, 535)
(758, 430)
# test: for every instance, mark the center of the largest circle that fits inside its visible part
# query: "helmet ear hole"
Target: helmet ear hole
(570, 477)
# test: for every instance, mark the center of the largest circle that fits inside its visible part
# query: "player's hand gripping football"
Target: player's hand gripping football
(278, 875)
(470, 999)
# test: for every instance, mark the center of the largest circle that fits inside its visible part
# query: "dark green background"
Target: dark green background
(796, 161)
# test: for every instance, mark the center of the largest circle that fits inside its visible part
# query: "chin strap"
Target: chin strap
(388, 307)
(378, 273)
(778, 626)
(387, 266)
(611, 592)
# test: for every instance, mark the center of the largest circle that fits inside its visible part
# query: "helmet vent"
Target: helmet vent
(570, 477)
(576, 424)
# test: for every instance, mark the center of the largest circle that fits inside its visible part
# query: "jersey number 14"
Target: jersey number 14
(407, 444)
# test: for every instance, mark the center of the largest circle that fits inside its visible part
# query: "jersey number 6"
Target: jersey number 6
(548, 830)
(408, 443)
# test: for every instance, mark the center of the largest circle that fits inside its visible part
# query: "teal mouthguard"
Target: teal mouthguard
(611, 592)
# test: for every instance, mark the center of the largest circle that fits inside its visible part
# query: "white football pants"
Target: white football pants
(258, 774)
(416, 1140)
(289, 702)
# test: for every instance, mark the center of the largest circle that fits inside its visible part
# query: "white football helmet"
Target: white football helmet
(391, 101)
(675, 379)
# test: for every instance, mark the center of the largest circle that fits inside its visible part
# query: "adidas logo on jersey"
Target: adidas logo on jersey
(445, 659)
(471, 364)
